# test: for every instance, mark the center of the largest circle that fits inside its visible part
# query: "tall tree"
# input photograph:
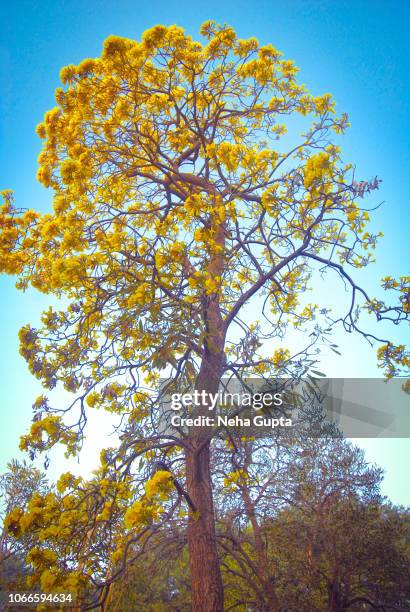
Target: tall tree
(176, 204)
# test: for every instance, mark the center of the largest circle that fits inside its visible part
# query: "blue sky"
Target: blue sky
(358, 51)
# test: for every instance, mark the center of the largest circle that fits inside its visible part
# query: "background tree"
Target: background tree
(158, 582)
(176, 202)
(17, 486)
(305, 528)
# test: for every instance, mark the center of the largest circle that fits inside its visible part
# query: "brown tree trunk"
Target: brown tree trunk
(206, 580)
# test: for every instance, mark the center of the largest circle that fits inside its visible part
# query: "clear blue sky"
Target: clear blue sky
(358, 50)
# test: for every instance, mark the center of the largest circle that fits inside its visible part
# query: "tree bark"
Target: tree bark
(206, 580)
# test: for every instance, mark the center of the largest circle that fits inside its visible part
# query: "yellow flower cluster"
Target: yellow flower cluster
(159, 485)
(236, 479)
(280, 357)
(392, 357)
(317, 167)
(146, 510)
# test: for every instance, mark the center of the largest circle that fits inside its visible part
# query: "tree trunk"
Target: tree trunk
(206, 581)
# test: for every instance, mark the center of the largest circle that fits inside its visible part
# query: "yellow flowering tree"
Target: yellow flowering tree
(179, 201)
